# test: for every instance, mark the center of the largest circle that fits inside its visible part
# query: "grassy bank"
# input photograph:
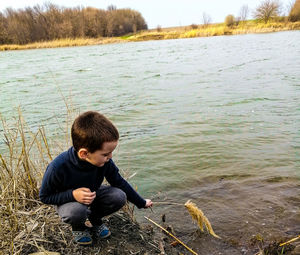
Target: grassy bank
(27, 225)
(68, 42)
(214, 30)
(245, 27)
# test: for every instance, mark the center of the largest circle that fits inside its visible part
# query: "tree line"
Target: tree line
(266, 11)
(49, 22)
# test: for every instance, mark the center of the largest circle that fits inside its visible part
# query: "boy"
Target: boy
(73, 180)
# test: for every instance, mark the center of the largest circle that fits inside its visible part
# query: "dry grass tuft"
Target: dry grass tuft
(200, 218)
(26, 223)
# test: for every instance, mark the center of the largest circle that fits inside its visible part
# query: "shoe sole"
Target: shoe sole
(84, 243)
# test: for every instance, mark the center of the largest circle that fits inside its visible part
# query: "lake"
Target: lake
(215, 120)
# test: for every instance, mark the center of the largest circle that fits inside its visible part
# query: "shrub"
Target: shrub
(229, 20)
(194, 26)
(295, 12)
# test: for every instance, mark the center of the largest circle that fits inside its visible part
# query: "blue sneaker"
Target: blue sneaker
(101, 231)
(82, 237)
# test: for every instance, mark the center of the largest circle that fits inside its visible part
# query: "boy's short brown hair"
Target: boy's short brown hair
(91, 129)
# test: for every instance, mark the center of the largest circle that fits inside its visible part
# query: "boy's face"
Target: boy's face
(100, 157)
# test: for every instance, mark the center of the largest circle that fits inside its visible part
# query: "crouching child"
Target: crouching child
(73, 180)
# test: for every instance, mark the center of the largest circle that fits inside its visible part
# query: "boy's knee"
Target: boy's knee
(73, 212)
(119, 197)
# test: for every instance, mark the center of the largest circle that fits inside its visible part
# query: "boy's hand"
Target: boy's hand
(149, 203)
(84, 195)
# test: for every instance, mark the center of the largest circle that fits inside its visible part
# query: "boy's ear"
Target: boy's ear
(83, 153)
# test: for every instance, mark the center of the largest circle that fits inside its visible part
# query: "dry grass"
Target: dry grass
(68, 42)
(214, 30)
(196, 214)
(200, 218)
(25, 222)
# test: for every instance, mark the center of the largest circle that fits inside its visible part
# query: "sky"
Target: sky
(164, 13)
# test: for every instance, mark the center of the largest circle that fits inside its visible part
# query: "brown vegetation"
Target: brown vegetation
(244, 27)
(229, 20)
(295, 12)
(50, 22)
(251, 26)
(200, 218)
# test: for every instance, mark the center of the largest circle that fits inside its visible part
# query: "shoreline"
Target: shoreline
(245, 27)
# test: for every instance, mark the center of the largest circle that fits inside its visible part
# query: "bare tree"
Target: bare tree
(111, 7)
(267, 9)
(244, 12)
(206, 19)
(3, 30)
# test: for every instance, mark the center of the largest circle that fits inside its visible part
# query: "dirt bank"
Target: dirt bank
(129, 237)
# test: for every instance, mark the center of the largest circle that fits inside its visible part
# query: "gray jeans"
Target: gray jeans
(108, 200)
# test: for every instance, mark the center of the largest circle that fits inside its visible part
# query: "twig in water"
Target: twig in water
(168, 203)
(156, 224)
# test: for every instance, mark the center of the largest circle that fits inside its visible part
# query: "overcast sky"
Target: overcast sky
(166, 13)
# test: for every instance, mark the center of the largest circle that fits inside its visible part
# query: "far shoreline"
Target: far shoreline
(192, 31)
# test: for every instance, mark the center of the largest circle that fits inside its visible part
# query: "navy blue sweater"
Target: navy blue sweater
(67, 173)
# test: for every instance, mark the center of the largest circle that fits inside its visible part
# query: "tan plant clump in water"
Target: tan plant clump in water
(200, 218)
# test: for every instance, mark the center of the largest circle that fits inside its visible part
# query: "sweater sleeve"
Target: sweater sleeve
(50, 192)
(116, 180)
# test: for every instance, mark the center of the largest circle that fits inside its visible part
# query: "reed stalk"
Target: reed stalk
(290, 241)
(26, 223)
(167, 203)
(166, 231)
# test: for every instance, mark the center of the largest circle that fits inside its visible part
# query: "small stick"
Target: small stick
(161, 247)
(189, 249)
(292, 240)
(168, 203)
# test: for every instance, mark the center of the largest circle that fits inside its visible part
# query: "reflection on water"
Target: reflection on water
(214, 119)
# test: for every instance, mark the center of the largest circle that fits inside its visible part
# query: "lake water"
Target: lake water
(215, 120)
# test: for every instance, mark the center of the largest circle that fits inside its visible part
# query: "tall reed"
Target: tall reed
(26, 224)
